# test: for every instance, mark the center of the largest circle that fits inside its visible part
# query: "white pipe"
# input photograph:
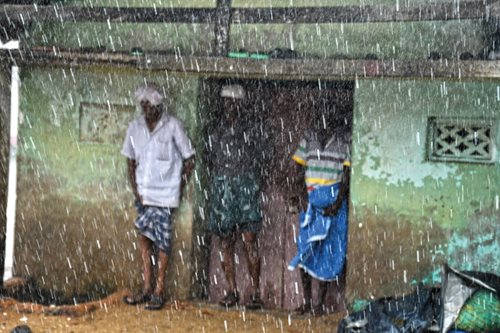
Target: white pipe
(12, 180)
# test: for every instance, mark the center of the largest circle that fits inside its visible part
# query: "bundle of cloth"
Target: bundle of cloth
(322, 241)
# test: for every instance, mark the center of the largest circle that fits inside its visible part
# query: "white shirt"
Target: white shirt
(158, 156)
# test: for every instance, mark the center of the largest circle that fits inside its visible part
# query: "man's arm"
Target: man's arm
(343, 193)
(187, 169)
(131, 167)
(297, 192)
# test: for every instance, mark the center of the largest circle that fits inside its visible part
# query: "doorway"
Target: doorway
(284, 110)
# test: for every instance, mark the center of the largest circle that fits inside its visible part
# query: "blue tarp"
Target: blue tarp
(322, 241)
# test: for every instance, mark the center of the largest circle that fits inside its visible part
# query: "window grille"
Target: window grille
(461, 140)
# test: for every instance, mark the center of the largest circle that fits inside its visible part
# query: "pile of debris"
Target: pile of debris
(466, 302)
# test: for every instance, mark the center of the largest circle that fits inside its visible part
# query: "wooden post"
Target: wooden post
(492, 34)
(221, 29)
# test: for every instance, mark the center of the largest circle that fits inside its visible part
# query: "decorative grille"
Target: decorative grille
(104, 122)
(461, 140)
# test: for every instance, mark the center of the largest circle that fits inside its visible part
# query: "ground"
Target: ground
(111, 315)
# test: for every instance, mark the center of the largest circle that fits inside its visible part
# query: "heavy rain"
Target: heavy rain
(250, 166)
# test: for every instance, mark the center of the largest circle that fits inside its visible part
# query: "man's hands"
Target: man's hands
(296, 203)
(187, 169)
(296, 191)
(138, 197)
(333, 209)
(131, 166)
(343, 194)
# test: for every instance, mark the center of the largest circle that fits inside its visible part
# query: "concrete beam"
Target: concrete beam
(452, 10)
(296, 69)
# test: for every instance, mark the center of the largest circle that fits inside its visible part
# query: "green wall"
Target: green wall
(186, 39)
(74, 229)
(411, 215)
(399, 40)
(410, 40)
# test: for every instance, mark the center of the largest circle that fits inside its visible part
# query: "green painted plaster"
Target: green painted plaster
(188, 39)
(390, 150)
(410, 215)
(468, 250)
(406, 40)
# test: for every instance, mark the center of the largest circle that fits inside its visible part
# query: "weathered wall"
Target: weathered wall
(414, 40)
(410, 215)
(185, 39)
(399, 40)
(74, 230)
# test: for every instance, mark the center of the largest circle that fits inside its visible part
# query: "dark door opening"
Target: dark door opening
(284, 110)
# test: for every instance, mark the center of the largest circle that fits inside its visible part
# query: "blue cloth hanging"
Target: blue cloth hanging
(322, 241)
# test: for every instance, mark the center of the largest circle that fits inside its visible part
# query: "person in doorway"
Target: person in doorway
(160, 159)
(234, 148)
(323, 155)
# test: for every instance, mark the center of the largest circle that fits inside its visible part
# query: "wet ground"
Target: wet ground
(111, 315)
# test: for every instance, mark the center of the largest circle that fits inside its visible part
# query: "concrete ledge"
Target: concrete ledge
(286, 69)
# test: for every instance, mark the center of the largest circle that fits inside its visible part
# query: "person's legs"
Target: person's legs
(162, 269)
(157, 298)
(319, 308)
(252, 256)
(307, 293)
(146, 248)
(227, 244)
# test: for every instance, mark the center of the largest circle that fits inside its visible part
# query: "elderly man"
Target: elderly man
(160, 158)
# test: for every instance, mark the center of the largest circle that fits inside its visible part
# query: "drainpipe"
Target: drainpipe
(12, 178)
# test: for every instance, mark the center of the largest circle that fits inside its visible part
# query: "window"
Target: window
(104, 123)
(461, 140)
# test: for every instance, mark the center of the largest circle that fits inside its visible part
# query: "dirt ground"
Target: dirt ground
(111, 315)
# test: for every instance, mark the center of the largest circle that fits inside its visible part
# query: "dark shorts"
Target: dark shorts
(155, 223)
(235, 205)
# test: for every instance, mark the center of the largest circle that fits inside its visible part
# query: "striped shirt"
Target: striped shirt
(324, 166)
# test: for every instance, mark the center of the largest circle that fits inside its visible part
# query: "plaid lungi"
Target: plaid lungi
(155, 224)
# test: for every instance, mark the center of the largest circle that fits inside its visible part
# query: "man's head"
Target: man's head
(151, 101)
(321, 125)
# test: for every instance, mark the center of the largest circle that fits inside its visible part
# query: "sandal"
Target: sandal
(155, 303)
(255, 303)
(303, 309)
(230, 300)
(135, 299)
(318, 310)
